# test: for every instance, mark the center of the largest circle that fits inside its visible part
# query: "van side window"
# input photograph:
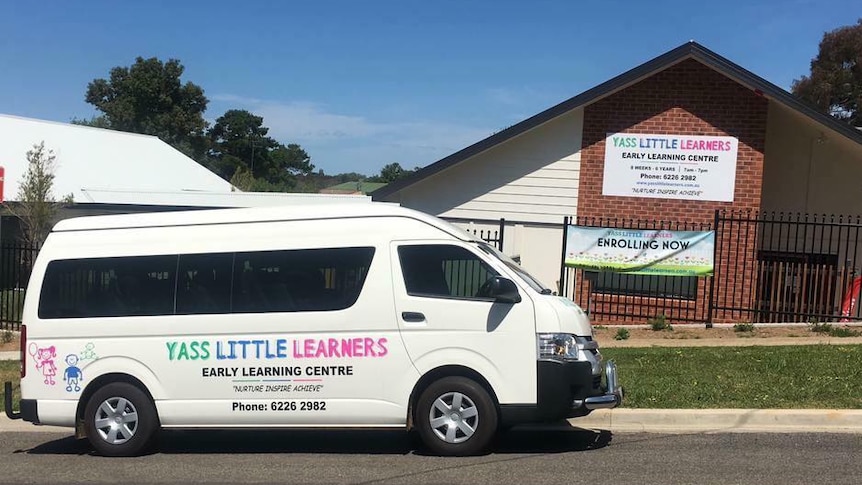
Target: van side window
(300, 281)
(109, 287)
(445, 271)
(254, 282)
(204, 283)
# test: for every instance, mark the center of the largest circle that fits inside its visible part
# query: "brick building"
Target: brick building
(790, 159)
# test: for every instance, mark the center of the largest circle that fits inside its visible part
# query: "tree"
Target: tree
(313, 182)
(835, 83)
(293, 159)
(149, 97)
(243, 180)
(240, 143)
(36, 207)
(238, 140)
(391, 172)
(95, 122)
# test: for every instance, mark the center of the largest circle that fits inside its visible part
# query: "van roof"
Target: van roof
(256, 214)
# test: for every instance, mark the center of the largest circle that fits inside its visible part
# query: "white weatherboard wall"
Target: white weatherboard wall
(809, 168)
(530, 180)
(94, 158)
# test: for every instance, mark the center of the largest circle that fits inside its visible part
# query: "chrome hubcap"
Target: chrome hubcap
(454, 417)
(116, 420)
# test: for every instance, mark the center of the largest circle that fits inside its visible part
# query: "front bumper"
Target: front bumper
(613, 395)
(567, 390)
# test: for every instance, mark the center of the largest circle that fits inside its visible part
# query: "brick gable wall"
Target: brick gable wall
(686, 99)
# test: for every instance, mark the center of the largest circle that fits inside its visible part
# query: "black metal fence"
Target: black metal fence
(16, 262)
(769, 267)
(789, 267)
(491, 236)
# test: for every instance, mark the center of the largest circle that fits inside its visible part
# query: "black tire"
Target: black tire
(118, 400)
(448, 437)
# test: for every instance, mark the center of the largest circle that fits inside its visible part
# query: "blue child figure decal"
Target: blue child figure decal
(73, 374)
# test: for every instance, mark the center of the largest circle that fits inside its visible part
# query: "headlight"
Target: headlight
(562, 346)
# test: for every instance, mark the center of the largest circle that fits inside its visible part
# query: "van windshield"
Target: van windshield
(527, 277)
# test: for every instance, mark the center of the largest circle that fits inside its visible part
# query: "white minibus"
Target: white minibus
(336, 316)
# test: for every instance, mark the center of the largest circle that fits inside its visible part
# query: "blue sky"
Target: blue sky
(360, 84)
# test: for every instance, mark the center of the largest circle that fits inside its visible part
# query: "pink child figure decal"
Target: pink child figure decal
(45, 361)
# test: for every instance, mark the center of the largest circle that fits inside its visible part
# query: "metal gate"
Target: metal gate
(796, 267)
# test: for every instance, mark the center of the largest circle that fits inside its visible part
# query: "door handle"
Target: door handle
(412, 317)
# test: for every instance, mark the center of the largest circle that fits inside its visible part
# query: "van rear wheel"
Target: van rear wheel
(456, 416)
(120, 420)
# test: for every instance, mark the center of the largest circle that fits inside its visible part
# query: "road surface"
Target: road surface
(557, 456)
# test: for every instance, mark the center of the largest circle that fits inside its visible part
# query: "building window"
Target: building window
(682, 287)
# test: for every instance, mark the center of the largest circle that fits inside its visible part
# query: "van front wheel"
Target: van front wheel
(120, 420)
(456, 416)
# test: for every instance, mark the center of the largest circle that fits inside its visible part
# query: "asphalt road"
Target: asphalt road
(520, 456)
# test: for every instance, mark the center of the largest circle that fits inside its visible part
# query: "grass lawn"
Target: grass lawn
(10, 370)
(799, 377)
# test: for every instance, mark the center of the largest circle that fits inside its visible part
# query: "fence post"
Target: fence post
(562, 282)
(500, 240)
(709, 308)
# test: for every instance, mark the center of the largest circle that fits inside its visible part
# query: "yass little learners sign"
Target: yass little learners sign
(670, 166)
(641, 251)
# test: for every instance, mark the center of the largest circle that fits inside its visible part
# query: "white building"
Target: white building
(109, 171)
(791, 158)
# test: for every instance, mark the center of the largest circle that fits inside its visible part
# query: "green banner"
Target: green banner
(641, 251)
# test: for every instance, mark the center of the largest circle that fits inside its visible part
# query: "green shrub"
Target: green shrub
(832, 331)
(743, 327)
(622, 334)
(659, 323)
(843, 332)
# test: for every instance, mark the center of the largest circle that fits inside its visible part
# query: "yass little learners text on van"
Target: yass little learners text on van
(282, 348)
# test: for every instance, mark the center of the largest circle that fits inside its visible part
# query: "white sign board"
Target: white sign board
(670, 166)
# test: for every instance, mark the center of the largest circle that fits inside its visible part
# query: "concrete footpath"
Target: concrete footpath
(723, 420)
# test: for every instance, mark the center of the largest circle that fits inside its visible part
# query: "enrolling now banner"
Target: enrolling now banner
(641, 251)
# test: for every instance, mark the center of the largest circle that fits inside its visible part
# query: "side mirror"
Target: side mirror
(502, 290)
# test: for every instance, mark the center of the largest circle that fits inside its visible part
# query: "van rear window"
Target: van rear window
(210, 283)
